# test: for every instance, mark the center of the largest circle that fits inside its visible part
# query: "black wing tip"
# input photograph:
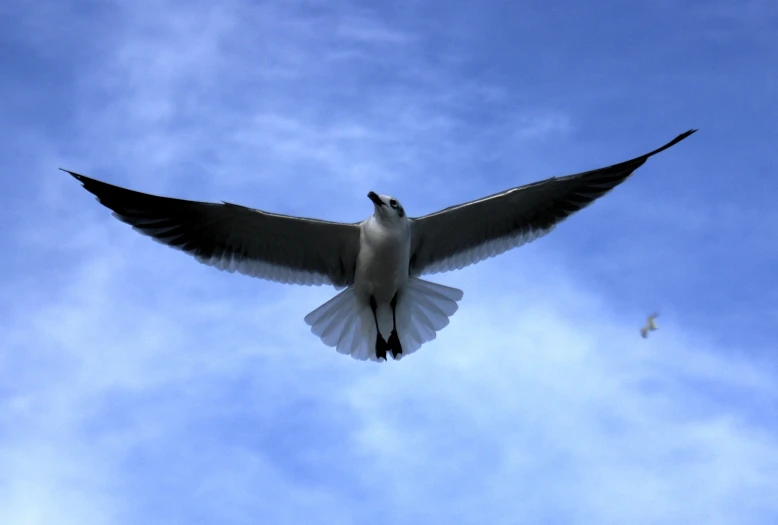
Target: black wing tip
(673, 142)
(683, 135)
(80, 178)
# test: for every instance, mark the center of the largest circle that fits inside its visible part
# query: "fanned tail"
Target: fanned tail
(346, 323)
(423, 310)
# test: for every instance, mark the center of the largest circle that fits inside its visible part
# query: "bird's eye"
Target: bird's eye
(393, 203)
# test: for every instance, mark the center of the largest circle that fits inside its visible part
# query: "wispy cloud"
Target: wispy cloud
(137, 385)
(565, 413)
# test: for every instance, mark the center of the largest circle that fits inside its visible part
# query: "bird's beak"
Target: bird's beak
(376, 200)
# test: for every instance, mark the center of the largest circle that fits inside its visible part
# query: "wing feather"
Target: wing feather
(468, 233)
(236, 238)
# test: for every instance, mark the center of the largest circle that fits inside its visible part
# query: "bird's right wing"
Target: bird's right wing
(465, 234)
(235, 238)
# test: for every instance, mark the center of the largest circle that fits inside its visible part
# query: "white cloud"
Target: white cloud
(138, 385)
(545, 406)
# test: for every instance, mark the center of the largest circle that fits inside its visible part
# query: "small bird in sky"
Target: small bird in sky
(385, 307)
(650, 326)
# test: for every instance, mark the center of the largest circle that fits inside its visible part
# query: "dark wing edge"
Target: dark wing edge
(464, 234)
(235, 238)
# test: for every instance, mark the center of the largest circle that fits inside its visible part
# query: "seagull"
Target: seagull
(650, 326)
(384, 307)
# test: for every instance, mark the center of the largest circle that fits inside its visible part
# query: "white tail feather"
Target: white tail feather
(346, 322)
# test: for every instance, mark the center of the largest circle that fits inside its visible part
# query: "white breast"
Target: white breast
(382, 264)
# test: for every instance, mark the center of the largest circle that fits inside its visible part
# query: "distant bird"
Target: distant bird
(378, 260)
(650, 326)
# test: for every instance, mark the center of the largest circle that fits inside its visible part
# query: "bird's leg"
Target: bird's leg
(394, 340)
(380, 345)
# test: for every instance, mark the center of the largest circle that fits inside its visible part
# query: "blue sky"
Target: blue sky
(137, 386)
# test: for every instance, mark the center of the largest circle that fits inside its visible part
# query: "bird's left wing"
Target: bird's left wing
(465, 234)
(235, 238)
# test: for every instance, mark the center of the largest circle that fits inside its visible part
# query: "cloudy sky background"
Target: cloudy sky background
(137, 386)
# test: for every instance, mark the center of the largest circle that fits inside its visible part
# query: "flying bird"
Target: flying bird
(385, 308)
(650, 326)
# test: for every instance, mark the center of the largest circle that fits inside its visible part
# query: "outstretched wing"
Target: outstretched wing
(465, 234)
(235, 238)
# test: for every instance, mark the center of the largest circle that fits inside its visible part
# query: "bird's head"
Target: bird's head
(388, 210)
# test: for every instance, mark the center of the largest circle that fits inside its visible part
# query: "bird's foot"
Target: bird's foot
(381, 347)
(394, 344)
